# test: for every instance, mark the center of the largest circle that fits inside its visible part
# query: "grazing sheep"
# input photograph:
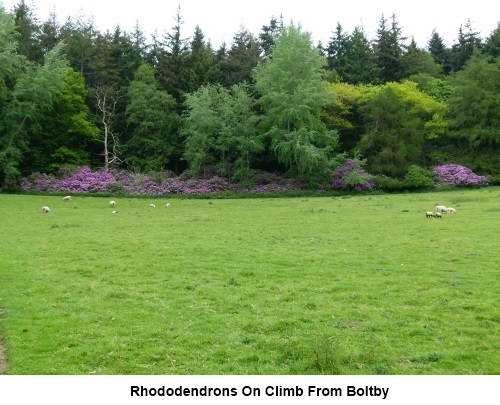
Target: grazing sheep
(46, 209)
(440, 208)
(450, 210)
(167, 205)
(429, 214)
(114, 212)
(67, 198)
(152, 206)
(438, 215)
(112, 203)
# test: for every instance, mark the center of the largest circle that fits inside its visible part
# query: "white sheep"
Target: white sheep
(152, 206)
(429, 214)
(167, 205)
(450, 210)
(114, 212)
(441, 208)
(438, 215)
(46, 209)
(112, 203)
(67, 198)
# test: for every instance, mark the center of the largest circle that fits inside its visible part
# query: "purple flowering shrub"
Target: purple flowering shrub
(84, 180)
(352, 176)
(456, 175)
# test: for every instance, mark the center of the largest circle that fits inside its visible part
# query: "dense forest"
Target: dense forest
(71, 96)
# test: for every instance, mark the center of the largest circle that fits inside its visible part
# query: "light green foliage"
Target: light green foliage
(292, 94)
(153, 120)
(221, 127)
(416, 177)
(353, 285)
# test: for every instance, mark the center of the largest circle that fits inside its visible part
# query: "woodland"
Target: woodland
(72, 96)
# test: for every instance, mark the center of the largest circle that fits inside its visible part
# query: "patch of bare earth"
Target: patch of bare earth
(3, 353)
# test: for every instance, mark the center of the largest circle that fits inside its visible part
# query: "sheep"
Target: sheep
(46, 209)
(152, 206)
(167, 205)
(438, 215)
(450, 210)
(440, 208)
(67, 198)
(112, 203)
(429, 214)
(114, 212)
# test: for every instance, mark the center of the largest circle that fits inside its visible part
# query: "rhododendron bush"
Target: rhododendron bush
(85, 180)
(456, 175)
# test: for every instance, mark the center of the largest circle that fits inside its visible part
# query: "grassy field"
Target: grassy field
(342, 285)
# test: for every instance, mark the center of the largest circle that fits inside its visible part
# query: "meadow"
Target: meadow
(309, 285)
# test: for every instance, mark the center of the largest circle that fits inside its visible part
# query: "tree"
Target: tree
(468, 39)
(417, 60)
(27, 92)
(398, 120)
(267, 36)
(220, 127)
(242, 57)
(336, 49)
(106, 99)
(29, 32)
(200, 62)
(359, 64)
(65, 133)
(292, 95)
(475, 105)
(439, 52)
(389, 49)
(492, 43)
(172, 58)
(152, 119)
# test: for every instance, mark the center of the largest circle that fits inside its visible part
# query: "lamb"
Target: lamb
(440, 208)
(112, 203)
(450, 210)
(67, 198)
(167, 205)
(152, 206)
(438, 215)
(114, 212)
(429, 214)
(46, 209)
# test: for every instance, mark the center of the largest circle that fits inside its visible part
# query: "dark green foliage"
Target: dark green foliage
(389, 49)
(152, 119)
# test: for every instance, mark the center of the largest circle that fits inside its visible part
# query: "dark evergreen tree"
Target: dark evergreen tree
(440, 53)
(243, 56)
(29, 33)
(79, 37)
(468, 39)
(417, 60)
(50, 33)
(268, 35)
(389, 50)
(492, 43)
(171, 69)
(200, 62)
(359, 65)
(336, 50)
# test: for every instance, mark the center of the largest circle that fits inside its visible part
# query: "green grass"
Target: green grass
(359, 285)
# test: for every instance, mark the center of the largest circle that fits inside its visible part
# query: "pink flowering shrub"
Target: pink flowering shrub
(351, 176)
(456, 175)
(84, 180)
